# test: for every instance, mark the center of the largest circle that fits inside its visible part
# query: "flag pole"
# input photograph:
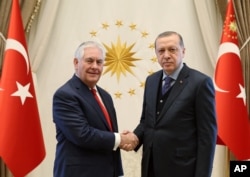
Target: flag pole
(227, 163)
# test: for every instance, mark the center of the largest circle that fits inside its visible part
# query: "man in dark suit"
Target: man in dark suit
(177, 128)
(85, 119)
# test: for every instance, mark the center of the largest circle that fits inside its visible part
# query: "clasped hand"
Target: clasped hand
(128, 140)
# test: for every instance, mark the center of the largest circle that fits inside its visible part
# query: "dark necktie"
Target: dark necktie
(167, 85)
(104, 110)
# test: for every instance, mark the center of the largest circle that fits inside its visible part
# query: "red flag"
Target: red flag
(21, 141)
(233, 122)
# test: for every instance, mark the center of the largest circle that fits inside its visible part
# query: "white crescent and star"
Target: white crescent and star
(226, 47)
(22, 91)
(242, 94)
(229, 47)
(17, 46)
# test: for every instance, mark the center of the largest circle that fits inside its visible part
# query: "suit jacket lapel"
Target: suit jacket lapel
(179, 85)
(152, 92)
(87, 95)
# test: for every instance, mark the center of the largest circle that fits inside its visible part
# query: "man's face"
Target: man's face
(90, 67)
(169, 53)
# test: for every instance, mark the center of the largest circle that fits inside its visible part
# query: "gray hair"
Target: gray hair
(169, 33)
(79, 53)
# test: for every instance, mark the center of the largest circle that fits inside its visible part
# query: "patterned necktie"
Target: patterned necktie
(167, 85)
(104, 110)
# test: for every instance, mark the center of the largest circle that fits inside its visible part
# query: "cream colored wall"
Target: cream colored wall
(75, 19)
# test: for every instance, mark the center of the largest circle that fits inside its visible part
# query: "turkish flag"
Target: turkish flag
(21, 140)
(232, 115)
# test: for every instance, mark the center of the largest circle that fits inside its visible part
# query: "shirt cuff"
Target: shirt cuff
(117, 141)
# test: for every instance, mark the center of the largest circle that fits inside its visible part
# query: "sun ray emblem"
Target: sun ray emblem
(119, 59)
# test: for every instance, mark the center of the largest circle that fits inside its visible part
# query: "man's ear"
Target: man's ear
(75, 61)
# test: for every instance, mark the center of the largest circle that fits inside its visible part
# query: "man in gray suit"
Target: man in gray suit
(177, 128)
(86, 126)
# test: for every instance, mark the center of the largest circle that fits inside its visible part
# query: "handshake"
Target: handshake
(128, 141)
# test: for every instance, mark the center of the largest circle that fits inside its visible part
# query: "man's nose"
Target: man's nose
(95, 64)
(166, 54)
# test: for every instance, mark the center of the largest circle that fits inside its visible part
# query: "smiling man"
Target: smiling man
(85, 118)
